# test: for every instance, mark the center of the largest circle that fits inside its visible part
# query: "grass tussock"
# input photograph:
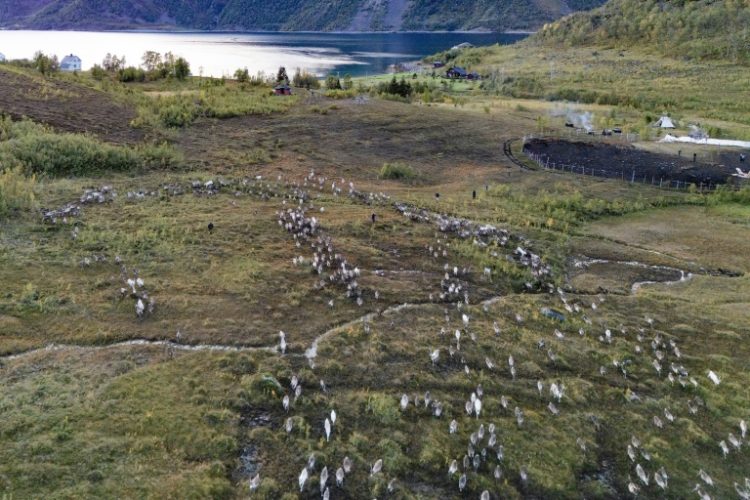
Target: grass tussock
(16, 191)
(398, 172)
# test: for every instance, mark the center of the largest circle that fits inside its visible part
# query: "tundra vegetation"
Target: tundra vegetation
(245, 294)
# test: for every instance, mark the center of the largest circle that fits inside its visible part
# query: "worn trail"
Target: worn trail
(310, 353)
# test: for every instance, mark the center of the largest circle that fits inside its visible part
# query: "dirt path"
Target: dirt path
(310, 353)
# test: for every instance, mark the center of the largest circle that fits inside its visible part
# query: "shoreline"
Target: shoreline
(175, 30)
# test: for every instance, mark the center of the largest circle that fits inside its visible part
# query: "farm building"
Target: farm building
(664, 122)
(456, 72)
(70, 63)
(460, 73)
(282, 89)
(438, 64)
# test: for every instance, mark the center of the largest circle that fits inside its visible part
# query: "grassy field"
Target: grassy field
(640, 86)
(646, 294)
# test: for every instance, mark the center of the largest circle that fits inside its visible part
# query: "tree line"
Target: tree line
(154, 66)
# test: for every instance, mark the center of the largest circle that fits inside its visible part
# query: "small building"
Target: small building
(70, 63)
(282, 89)
(438, 64)
(456, 72)
(2, 57)
(664, 122)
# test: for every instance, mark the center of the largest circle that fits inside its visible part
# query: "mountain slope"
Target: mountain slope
(489, 14)
(695, 29)
(687, 58)
(287, 15)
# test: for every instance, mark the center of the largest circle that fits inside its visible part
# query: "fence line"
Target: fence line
(631, 176)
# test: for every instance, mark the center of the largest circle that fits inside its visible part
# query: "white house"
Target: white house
(70, 63)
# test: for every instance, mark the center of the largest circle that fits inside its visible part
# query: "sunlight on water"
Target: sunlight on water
(217, 54)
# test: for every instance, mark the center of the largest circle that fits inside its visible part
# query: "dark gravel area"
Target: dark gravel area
(628, 162)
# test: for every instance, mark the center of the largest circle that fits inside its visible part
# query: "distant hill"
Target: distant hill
(289, 15)
(692, 29)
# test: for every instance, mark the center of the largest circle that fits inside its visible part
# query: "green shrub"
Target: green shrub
(37, 150)
(98, 73)
(333, 83)
(397, 171)
(45, 64)
(131, 74)
(242, 75)
(395, 87)
(384, 409)
(178, 111)
(303, 79)
(16, 190)
(66, 154)
(342, 94)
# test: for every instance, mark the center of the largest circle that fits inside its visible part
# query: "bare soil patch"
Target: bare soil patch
(347, 137)
(67, 107)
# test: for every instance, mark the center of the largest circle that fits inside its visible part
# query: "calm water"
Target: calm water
(218, 54)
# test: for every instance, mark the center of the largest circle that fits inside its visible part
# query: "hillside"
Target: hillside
(701, 29)
(649, 56)
(275, 303)
(288, 15)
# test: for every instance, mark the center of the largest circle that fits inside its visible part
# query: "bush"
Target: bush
(242, 75)
(38, 150)
(303, 79)
(342, 94)
(45, 64)
(98, 73)
(348, 84)
(395, 87)
(66, 154)
(181, 68)
(397, 171)
(384, 409)
(333, 83)
(212, 102)
(178, 113)
(131, 74)
(16, 191)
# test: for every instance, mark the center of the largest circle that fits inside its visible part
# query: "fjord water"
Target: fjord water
(217, 54)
